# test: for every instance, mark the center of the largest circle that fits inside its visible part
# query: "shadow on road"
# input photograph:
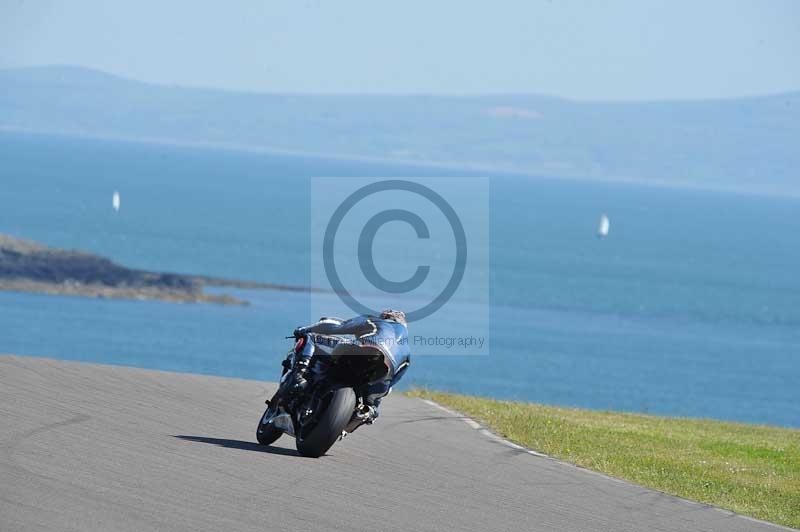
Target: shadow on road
(239, 444)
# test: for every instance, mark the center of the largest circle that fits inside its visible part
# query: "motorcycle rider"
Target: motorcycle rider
(386, 335)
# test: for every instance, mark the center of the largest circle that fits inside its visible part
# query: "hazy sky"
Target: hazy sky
(589, 50)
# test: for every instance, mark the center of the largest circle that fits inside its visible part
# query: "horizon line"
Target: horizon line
(769, 191)
(465, 95)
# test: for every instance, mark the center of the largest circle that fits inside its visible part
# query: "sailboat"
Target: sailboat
(602, 228)
(115, 201)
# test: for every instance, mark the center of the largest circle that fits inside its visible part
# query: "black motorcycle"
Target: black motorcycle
(328, 407)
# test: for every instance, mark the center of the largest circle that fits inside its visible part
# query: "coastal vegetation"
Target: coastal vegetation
(27, 266)
(751, 469)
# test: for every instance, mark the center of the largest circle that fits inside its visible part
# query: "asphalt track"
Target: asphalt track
(88, 447)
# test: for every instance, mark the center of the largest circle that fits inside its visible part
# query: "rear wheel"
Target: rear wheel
(330, 424)
(266, 433)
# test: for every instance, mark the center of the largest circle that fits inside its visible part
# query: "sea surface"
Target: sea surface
(690, 307)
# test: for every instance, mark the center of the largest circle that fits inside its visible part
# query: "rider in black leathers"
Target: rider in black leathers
(386, 334)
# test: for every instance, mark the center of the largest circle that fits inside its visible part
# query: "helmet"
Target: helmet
(395, 315)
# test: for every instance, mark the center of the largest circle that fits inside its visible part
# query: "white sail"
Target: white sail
(115, 201)
(602, 228)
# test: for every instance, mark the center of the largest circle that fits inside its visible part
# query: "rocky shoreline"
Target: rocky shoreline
(27, 266)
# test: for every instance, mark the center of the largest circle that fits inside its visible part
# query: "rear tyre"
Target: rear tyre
(330, 424)
(266, 433)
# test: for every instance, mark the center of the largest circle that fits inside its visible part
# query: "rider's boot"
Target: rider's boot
(298, 381)
(304, 350)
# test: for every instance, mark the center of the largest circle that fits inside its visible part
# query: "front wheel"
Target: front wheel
(266, 433)
(330, 424)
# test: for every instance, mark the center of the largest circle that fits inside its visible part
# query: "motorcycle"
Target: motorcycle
(328, 407)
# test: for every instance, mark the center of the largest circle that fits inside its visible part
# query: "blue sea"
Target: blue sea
(690, 307)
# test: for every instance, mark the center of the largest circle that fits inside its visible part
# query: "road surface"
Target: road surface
(102, 448)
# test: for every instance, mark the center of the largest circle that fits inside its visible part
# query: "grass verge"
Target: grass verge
(750, 469)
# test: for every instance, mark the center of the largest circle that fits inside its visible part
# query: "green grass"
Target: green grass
(750, 469)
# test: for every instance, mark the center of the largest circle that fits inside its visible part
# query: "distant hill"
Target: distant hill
(749, 143)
